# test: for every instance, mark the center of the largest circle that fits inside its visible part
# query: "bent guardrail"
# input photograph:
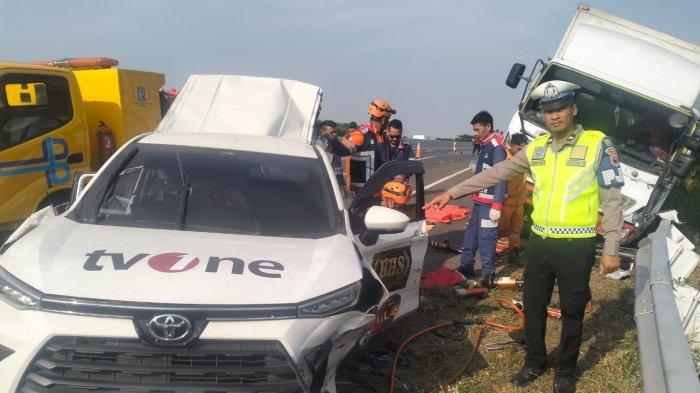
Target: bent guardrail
(665, 358)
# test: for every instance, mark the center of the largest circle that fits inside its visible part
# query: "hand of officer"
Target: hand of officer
(609, 264)
(439, 201)
(494, 214)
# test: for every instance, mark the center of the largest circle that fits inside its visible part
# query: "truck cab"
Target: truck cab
(43, 138)
(637, 85)
(49, 118)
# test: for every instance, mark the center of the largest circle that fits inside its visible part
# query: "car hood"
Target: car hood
(63, 257)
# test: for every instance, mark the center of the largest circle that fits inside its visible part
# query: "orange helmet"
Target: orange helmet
(380, 108)
(397, 191)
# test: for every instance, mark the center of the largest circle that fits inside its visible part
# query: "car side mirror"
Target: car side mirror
(516, 73)
(379, 220)
(384, 220)
(79, 186)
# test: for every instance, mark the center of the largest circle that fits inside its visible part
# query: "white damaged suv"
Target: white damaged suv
(213, 255)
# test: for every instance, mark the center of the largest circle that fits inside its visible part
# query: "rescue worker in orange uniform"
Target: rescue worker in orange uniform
(364, 144)
(512, 214)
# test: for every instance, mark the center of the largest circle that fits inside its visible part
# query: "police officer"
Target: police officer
(482, 228)
(575, 171)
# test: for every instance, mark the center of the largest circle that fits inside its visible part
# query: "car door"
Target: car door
(396, 258)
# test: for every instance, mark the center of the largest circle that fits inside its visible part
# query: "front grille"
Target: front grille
(81, 364)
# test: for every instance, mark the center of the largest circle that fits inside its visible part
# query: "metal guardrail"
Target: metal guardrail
(664, 353)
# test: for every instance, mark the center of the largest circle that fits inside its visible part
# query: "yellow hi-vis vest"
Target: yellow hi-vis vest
(565, 196)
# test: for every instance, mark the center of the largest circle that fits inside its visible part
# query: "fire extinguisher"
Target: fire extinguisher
(105, 142)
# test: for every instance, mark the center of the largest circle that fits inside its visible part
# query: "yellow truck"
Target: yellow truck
(63, 118)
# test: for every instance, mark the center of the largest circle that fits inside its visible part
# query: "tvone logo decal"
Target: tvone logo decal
(172, 262)
(177, 262)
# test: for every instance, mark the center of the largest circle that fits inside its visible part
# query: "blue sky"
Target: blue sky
(437, 62)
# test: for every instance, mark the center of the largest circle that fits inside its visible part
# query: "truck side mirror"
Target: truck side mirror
(516, 73)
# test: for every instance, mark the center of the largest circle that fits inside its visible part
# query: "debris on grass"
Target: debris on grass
(608, 361)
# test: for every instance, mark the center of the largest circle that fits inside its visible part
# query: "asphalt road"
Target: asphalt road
(442, 171)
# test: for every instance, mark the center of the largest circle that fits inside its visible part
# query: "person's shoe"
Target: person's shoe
(527, 375)
(564, 382)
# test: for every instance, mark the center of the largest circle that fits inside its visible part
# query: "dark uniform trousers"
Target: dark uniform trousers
(569, 261)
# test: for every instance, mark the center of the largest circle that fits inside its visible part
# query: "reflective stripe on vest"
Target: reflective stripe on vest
(565, 197)
(362, 161)
(361, 168)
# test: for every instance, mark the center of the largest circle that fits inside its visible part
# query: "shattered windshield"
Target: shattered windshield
(638, 127)
(211, 190)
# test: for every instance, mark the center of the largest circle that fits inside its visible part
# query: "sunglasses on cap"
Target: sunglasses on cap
(389, 110)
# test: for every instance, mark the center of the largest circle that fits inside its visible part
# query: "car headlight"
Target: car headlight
(331, 303)
(17, 294)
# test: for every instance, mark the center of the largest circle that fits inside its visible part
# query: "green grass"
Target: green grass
(608, 362)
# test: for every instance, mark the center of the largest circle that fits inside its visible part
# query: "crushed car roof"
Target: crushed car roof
(252, 143)
(244, 105)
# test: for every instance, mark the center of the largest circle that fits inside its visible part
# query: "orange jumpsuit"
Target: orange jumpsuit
(512, 214)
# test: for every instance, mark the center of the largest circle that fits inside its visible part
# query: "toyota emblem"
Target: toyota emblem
(169, 327)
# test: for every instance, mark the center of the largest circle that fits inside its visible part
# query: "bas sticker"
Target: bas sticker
(393, 267)
(177, 262)
(387, 312)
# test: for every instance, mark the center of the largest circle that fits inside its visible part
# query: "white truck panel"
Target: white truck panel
(633, 56)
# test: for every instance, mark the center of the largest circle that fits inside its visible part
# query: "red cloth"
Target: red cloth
(446, 214)
(442, 277)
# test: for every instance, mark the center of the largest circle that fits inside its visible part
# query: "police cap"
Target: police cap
(555, 94)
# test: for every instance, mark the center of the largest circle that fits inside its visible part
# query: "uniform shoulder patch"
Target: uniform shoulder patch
(609, 149)
(609, 172)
